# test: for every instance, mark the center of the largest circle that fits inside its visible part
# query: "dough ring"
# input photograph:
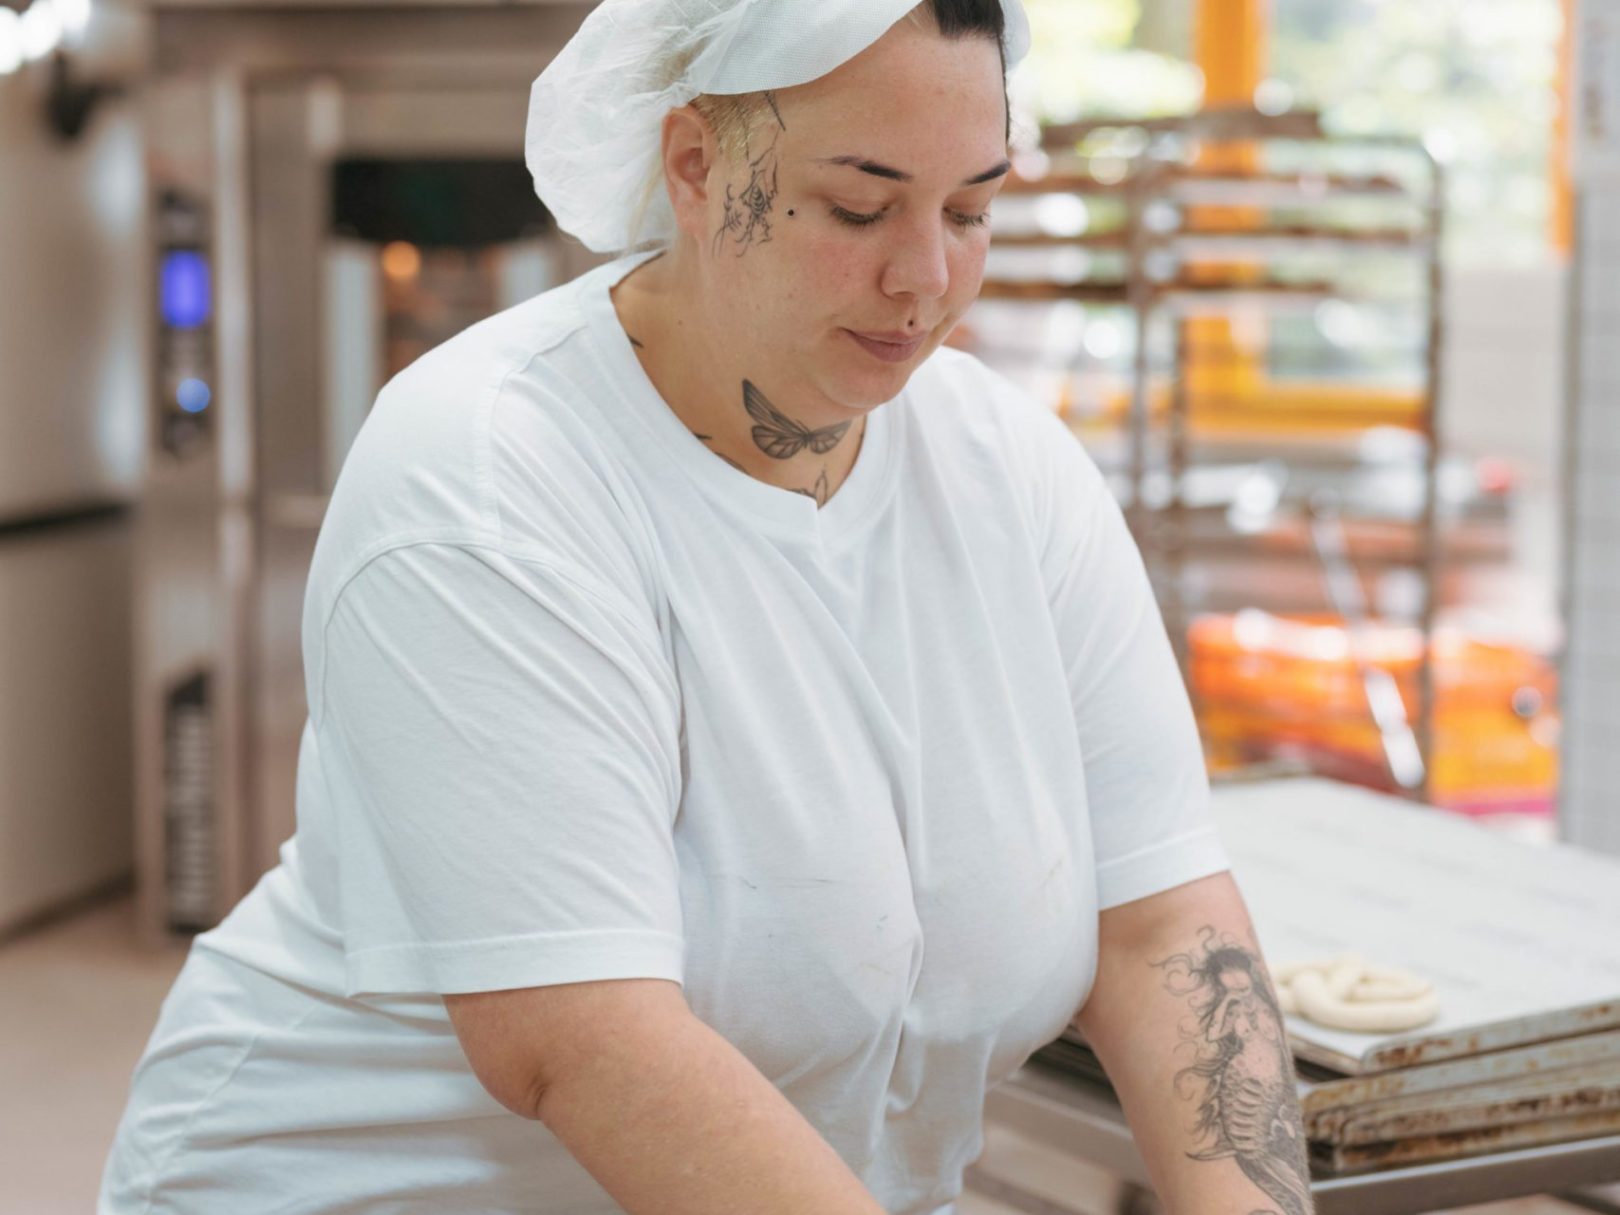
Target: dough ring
(1347, 993)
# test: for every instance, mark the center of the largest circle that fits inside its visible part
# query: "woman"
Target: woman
(729, 710)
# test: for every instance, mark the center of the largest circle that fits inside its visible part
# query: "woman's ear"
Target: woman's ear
(690, 155)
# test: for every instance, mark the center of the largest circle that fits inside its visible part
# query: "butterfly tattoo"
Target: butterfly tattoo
(779, 436)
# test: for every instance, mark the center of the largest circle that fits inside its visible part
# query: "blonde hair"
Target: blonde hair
(734, 116)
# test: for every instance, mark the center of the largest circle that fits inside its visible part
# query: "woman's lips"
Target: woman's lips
(890, 347)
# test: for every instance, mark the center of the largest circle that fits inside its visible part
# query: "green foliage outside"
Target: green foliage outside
(1473, 78)
(1087, 62)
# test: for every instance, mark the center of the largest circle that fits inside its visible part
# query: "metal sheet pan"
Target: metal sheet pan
(1535, 1098)
(1591, 1051)
(1074, 1115)
(1341, 1159)
(1513, 935)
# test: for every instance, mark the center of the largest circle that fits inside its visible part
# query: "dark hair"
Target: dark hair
(974, 19)
(959, 18)
(731, 115)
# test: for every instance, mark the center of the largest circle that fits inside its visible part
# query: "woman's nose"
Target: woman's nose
(918, 264)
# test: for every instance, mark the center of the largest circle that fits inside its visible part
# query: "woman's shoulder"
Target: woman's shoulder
(447, 404)
(960, 383)
(961, 396)
(488, 439)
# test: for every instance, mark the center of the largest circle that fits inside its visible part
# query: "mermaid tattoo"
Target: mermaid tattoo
(1248, 1105)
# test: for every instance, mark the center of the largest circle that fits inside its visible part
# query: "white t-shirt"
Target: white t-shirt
(586, 702)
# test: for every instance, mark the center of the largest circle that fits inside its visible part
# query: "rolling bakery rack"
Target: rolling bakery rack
(1266, 473)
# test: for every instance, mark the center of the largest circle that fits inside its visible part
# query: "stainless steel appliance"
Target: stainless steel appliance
(71, 405)
(334, 191)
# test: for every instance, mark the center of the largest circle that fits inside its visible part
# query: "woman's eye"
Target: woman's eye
(854, 218)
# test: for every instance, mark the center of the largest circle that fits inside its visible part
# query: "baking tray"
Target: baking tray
(1519, 939)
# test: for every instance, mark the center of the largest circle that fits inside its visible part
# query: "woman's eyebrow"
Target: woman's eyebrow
(880, 170)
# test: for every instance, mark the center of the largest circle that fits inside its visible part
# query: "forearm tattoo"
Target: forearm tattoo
(778, 435)
(1243, 1080)
(746, 219)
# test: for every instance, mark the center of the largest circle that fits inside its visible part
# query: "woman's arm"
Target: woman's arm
(1184, 1018)
(668, 1116)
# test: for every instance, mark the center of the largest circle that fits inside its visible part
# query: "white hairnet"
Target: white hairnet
(596, 112)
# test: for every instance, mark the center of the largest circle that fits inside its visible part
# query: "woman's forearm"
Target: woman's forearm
(1184, 1018)
(674, 1120)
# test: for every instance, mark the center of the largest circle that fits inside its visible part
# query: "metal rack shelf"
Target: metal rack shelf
(1047, 292)
(1186, 298)
(1216, 244)
(1184, 221)
(1279, 189)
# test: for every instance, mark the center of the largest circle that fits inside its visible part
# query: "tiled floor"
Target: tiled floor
(78, 999)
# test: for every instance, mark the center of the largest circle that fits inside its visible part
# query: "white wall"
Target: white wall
(1503, 395)
(1503, 372)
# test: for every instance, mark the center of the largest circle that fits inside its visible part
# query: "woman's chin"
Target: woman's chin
(868, 381)
(870, 391)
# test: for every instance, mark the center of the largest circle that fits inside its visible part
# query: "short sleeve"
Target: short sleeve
(499, 739)
(1146, 783)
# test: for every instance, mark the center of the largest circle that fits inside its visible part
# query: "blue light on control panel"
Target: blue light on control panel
(185, 297)
(193, 395)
